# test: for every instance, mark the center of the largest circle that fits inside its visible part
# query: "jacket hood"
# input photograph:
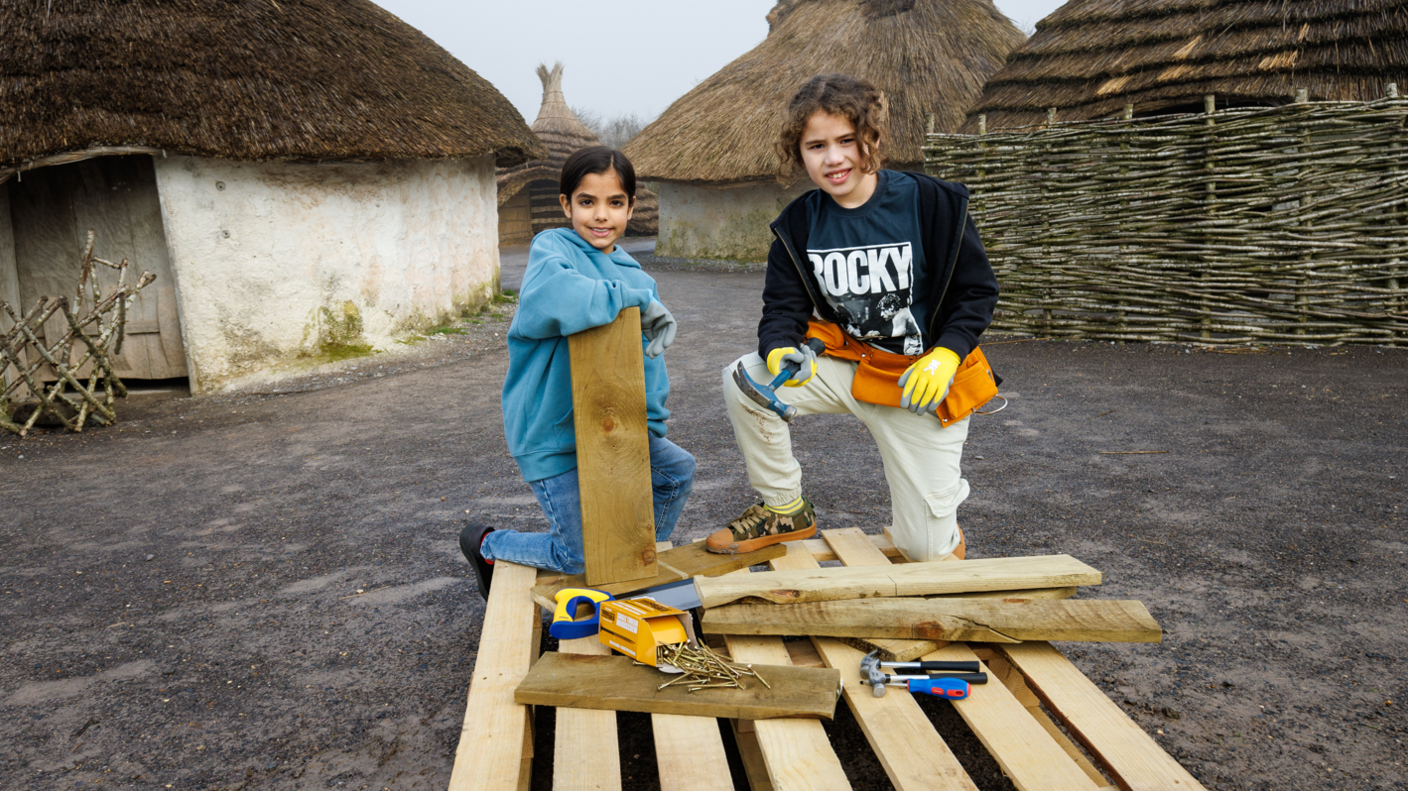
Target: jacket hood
(620, 256)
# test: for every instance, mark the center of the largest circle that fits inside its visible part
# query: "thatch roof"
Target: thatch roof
(928, 56)
(562, 132)
(1091, 57)
(243, 80)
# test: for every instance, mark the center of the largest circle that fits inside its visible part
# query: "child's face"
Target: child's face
(831, 153)
(599, 210)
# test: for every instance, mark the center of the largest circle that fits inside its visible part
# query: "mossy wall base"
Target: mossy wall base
(277, 263)
(725, 224)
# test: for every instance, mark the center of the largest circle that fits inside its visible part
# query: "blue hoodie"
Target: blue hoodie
(570, 286)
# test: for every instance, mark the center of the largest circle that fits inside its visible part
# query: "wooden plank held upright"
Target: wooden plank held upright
(613, 451)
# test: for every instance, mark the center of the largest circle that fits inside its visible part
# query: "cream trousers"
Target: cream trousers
(921, 456)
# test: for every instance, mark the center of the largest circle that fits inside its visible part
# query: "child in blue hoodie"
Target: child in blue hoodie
(577, 279)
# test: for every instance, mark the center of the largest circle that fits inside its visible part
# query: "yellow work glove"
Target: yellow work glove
(926, 382)
(804, 359)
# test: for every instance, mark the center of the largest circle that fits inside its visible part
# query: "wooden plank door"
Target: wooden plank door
(53, 209)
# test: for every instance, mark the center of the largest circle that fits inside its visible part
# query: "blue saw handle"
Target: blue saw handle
(564, 627)
(947, 688)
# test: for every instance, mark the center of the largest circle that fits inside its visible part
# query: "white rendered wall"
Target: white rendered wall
(9, 272)
(9, 277)
(275, 261)
(721, 223)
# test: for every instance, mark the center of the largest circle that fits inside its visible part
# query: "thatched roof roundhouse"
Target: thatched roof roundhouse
(247, 80)
(928, 56)
(528, 191)
(1092, 57)
(307, 179)
(713, 148)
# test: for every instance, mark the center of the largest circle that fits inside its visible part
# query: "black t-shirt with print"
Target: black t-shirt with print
(867, 261)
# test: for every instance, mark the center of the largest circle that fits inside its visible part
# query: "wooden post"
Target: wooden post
(1210, 200)
(1046, 313)
(1121, 317)
(613, 451)
(1302, 298)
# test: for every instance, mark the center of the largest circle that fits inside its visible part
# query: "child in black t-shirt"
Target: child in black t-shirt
(888, 270)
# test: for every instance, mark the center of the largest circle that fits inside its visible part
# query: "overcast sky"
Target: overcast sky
(619, 56)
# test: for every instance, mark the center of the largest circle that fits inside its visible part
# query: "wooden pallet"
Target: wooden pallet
(1009, 718)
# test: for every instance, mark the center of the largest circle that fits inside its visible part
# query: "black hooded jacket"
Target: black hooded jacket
(957, 309)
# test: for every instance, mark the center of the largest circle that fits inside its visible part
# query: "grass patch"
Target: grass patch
(336, 352)
(445, 329)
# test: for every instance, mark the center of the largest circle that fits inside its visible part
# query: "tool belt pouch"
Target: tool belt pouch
(878, 374)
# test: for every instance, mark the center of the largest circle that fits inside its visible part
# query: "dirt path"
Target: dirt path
(263, 591)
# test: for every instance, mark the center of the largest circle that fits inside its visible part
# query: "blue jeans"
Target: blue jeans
(560, 549)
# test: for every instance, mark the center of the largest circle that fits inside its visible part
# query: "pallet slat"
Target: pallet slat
(586, 754)
(905, 741)
(613, 451)
(854, 548)
(618, 683)
(1024, 750)
(1010, 620)
(1134, 760)
(690, 753)
(892, 650)
(909, 579)
(496, 737)
(798, 753)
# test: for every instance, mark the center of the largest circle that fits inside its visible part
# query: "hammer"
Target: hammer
(871, 673)
(766, 395)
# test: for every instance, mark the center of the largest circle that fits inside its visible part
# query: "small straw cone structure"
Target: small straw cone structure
(562, 133)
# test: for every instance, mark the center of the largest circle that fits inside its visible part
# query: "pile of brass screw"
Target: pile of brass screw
(704, 669)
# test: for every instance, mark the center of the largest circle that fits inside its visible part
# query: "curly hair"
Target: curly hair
(852, 98)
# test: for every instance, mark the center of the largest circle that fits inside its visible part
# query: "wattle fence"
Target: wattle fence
(1251, 225)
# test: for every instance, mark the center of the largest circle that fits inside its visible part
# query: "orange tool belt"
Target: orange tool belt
(877, 377)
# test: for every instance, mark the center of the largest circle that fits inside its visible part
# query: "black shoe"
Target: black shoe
(470, 538)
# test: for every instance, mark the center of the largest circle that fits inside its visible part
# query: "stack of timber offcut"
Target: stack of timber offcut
(1000, 612)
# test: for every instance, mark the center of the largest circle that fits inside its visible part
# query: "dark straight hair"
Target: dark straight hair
(597, 159)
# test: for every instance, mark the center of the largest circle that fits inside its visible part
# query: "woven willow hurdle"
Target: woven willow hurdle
(1251, 225)
(96, 324)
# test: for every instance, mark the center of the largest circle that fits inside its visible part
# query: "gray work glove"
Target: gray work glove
(931, 408)
(803, 356)
(659, 328)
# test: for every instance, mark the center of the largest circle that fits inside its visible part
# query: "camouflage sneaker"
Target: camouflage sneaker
(759, 527)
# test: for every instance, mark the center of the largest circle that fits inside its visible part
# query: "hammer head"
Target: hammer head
(869, 664)
(872, 674)
(762, 395)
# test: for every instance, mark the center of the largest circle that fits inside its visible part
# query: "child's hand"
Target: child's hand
(659, 328)
(926, 382)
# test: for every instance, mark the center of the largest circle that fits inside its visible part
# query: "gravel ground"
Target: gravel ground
(262, 589)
